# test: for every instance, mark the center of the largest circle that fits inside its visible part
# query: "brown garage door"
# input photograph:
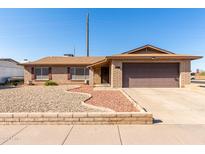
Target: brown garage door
(151, 75)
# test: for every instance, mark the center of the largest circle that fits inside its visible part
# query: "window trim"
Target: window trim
(41, 68)
(84, 68)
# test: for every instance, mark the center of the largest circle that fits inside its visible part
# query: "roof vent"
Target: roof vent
(69, 55)
(24, 61)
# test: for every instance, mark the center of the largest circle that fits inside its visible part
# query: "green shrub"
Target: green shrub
(50, 83)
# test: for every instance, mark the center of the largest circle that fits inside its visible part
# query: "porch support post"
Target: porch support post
(50, 73)
(116, 74)
(33, 75)
(91, 76)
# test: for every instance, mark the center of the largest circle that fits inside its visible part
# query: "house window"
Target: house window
(79, 73)
(41, 73)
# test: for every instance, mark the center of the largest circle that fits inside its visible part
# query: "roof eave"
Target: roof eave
(98, 63)
(156, 57)
(41, 64)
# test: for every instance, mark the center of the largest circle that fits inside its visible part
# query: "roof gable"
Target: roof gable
(148, 49)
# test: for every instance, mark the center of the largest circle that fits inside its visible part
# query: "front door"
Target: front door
(104, 74)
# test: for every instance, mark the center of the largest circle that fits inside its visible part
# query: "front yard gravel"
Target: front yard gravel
(42, 99)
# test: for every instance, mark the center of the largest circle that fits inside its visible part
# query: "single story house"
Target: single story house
(146, 66)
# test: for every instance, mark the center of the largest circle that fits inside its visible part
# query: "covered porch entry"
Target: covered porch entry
(100, 74)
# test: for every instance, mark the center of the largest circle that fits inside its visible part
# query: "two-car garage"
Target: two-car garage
(146, 75)
(149, 67)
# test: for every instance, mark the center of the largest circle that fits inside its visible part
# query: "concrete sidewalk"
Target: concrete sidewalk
(103, 134)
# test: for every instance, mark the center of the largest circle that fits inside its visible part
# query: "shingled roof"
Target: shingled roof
(145, 52)
(65, 60)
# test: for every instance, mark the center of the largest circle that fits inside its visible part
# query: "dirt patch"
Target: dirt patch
(112, 99)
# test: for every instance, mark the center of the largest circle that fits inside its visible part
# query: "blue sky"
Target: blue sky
(35, 33)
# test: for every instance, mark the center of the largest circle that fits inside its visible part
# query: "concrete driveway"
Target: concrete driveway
(172, 105)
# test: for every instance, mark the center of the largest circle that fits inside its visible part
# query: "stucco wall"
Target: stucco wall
(116, 71)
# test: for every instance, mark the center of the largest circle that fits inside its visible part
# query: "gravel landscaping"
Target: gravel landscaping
(112, 99)
(42, 99)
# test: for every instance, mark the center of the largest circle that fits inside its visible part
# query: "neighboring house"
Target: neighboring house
(146, 66)
(200, 75)
(10, 68)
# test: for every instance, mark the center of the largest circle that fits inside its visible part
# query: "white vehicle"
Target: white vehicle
(10, 69)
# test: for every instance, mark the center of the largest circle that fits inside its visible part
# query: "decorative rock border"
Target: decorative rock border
(77, 118)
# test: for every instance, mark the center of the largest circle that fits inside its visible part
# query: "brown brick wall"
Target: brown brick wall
(59, 75)
(91, 77)
(116, 71)
(185, 76)
(27, 74)
(116, 74)
(97, 75)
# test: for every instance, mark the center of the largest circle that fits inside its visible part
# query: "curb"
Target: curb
(136, 104)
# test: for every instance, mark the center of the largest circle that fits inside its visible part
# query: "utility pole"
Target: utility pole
(87, 34)
(74, 51)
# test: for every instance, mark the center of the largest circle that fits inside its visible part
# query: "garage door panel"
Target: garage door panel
(150, 75)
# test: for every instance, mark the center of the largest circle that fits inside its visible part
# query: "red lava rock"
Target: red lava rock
(112, 99)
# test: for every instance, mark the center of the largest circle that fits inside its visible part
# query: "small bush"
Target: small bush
(50, 83)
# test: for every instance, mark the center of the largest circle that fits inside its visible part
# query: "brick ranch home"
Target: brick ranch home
(146, 66)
